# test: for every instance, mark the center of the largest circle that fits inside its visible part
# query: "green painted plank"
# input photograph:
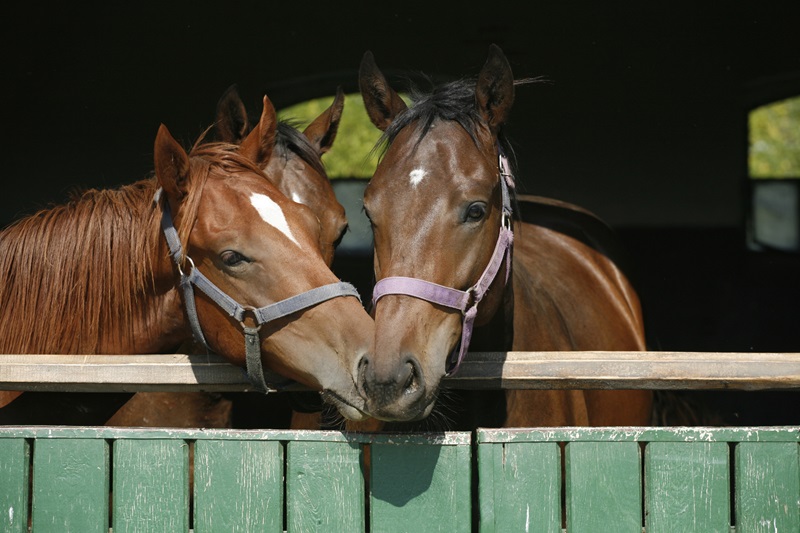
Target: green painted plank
(70, 485)
(687, 487)
(324, 487)
(767, 487)
(519, 486)
(15, 476)
(417, 488)
(238, 486)
(603, 487)
(118, 433)
(150, 486)
(641, 434)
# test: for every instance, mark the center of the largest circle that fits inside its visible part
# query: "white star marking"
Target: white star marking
(272, 214)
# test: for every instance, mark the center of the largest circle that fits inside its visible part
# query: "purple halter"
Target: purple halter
(465, 301)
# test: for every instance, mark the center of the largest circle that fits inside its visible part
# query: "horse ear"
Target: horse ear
(322, 131)
(171, 165)
(232, 124)
(494, 91)
(382, 102)
(258, 145)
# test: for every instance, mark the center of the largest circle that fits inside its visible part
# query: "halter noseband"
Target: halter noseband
(261, 315)
(465, 301)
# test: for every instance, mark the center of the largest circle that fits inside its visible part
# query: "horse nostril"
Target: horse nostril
(411, 376)
(412, 382)
(361, 376)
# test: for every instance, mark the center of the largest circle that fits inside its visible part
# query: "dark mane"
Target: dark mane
(76, 271)
(290, 140)
(451, 101)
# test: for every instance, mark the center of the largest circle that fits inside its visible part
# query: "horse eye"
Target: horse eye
(231, 258)
(475, 212)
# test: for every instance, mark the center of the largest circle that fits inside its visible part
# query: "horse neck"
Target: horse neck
(497, 333)
(110, 304)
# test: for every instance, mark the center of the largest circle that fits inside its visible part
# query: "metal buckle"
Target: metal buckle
(506, 221)
(252, 312)
(191, 263)
(472, 299)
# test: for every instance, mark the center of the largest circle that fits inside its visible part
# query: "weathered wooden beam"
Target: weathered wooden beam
(480, 370)
(631, 370)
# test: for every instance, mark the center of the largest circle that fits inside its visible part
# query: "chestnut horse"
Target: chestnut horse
(442, 211)
(297, 171)
(116, 271)
(294, 166)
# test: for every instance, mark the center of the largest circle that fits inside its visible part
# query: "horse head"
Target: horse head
(253, 245)
(295, 166)
(436, 206)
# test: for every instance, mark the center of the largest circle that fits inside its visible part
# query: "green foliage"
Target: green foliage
(775, 140)
(352, 154)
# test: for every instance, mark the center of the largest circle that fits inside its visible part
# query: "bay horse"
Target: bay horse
(116, 271)
(295, 167)
(441, 203)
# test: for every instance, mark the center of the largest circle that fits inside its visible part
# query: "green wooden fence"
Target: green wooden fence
(537, 480)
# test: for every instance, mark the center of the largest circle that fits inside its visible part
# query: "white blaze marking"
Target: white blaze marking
(272, 214)
(296, 198)
(416, 176)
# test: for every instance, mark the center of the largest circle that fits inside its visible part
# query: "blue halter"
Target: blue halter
(262, 315)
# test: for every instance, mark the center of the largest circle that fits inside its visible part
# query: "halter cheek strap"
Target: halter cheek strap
(196, 279)
(465, 301)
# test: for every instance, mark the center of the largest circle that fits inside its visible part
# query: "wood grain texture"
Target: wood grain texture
(767, 487)
(520, 487)
(15, 476)
(480, 370)
(238, 486)
(603, 487)
(687, 487)
(324, 488)
(150, 485)
(70, 485)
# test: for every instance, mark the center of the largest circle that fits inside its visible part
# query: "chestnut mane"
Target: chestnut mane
(74, 272)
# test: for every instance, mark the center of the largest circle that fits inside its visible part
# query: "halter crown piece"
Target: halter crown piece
(465, 301)
(262, 315)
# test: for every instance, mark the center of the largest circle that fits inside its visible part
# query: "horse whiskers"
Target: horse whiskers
(331, 418)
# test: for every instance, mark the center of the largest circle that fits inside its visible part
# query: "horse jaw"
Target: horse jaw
(323, 359)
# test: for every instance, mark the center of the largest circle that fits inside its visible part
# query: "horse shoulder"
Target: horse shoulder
(569, 291)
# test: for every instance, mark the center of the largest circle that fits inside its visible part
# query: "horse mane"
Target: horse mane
(75, 272)
(290, 140)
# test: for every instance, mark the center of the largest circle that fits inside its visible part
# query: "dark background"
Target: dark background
(643, 121)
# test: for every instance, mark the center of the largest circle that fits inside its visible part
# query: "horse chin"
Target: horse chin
(345, 407)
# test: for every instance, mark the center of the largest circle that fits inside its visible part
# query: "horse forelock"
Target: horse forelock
(205, 160)
(452, 101)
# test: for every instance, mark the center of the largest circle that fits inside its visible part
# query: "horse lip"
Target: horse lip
(346, 408)
(417, 415)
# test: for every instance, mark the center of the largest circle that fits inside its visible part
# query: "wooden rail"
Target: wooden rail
(480, 370)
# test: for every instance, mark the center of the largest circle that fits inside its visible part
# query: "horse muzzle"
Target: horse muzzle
(396, 391)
